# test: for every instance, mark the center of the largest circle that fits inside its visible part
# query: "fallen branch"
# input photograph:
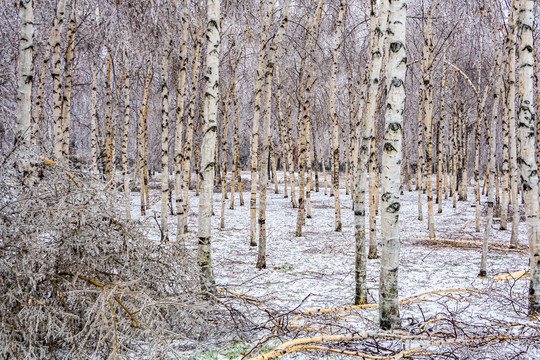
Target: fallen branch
(499, 246)
(303, 344)
(70, 175)
(365, 306)
(101, 285)
(240, 295)
(300, 344)
(513, 276)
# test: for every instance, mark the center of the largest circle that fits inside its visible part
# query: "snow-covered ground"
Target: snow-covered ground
(317, 269)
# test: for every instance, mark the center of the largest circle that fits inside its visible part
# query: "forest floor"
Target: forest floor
(316, 271)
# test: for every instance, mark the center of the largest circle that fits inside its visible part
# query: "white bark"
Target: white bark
(93, 121)
(267, 134)
(25, 71)
(186, 168)
(68, 66)
(125, 166)
(335, 118)
(178, 158)
(364, 152)
(55, 73)
(255, 129)
(529, 176)
(391, 167)
(204, 258)
(165, 138)
(39, 97)
(492, 136)
(511, 105)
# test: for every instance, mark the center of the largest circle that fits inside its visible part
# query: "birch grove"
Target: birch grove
(133, 131)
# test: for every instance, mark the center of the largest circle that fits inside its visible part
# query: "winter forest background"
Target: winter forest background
(246, 179)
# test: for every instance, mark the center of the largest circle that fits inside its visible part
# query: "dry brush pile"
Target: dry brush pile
(78, 281)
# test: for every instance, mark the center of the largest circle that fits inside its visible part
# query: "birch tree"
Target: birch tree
(204, 257)
(335, 118)
(492, 136)
(39, 96)
(25, 71)
(428, 116)
(267, 135)
(55, 74)
(304, 129)
(68, 73)
(364, 152)
(529, 176)
(511, 113)
(391, 167)
(509, 65)
(165, 137)
(93, 117)
(125, 166)
(186, 167)
(178, 156)
(255, 130)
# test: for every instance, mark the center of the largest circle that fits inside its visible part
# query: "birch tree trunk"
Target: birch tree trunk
(57, 86)
(143, 144)
(255, 129)
(186, 167)
(39, 96)
(226, 109)
(528, 173)
(237, 152)
(464, 155)
(324, 170)
(306, 121)
(407, 161)
(453, 185)
(492, 136)
(441, 142)
(125, 166)
(420, 163)
(390, 206)
(360, 182)
(165, 138)
(267, 135)
(223, 182)
(480, 118)
(316, 161)
(354, 132)
(204, 257)
(285, 148)
(290, 155)
(511, 106)
(274, 166)
(428, 119)
(178, 155)
(509, 65)
(25, 72)
(335, 118)
(108, 117)
(93, 120)
(537, 94)
(373, 198)
(68, 73)
(114, 127)
(301, 127)
(196, 157)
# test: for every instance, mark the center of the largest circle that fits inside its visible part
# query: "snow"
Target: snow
(317, 269)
